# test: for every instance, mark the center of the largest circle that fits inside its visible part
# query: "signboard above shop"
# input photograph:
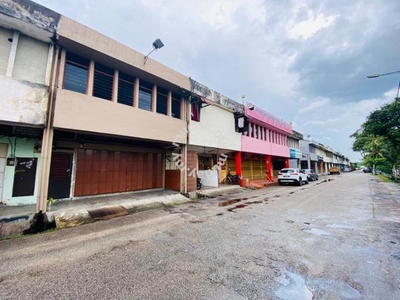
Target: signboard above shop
(267, 118)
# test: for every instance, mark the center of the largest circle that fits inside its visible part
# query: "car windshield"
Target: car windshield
(287, 170)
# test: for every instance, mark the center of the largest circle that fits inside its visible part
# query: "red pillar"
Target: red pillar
(286, 162)
(238, 163)
(268, 167)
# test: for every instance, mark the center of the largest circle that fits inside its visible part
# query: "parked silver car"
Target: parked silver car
(311, 175)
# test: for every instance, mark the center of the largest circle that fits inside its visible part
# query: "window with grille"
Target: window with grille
(145, 89)
(125, 89)
(176, 106)
(76, 73)
(103, 82)
(162, 101)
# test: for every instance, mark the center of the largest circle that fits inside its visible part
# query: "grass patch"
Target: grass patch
(384, 178)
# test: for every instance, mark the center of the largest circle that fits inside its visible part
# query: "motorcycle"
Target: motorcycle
(199, 184)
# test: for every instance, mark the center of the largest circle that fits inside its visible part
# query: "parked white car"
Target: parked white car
(292, 175)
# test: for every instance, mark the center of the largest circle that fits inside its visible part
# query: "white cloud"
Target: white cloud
(306, 29)
(313, 106)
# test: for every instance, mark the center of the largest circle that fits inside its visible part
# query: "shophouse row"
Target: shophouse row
(83, 115)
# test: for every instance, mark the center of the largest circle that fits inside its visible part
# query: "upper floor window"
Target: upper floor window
(125, 89)
(76, 73)
(176, 106)
(195, 111)
(145, 90)
(162, 101)
(103, 82)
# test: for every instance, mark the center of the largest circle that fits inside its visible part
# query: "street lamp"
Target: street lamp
(157, 44)
(375, 75)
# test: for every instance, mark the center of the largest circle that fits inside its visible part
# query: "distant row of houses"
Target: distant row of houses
(83, 115)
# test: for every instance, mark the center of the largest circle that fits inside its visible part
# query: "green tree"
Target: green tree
(378, 139)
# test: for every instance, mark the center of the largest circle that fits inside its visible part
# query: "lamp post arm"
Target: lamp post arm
(383, 74)
(394, 72)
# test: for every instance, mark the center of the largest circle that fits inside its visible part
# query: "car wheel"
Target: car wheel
(306, 181)
(300, 182)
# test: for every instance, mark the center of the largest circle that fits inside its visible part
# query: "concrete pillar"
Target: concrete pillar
(136, 93)
(115, 86)
(183, 109)
(154, 98)
(13, 53)
(169, 103)
(49, 64)
(90, 78)
(47, 148)
(238, 163)
(268, 167)
(47, 140)
(61, 69)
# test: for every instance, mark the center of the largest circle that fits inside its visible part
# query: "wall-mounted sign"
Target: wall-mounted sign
(11, 161)
(267, 118)
(296, 153)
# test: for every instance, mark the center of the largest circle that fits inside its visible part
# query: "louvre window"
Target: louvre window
(176, 105)
(125, 89)
(76, 73)
(145, 89)
(162, 101)
(103, 82)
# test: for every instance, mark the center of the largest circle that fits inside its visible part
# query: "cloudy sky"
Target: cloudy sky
(303, 61)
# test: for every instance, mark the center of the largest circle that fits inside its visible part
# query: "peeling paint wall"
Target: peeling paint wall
(202, 90)
(22, 102)
(31, 13)
(30, 60)
(24, 148)
(5, 47)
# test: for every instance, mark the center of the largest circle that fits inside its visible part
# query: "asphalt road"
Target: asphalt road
(327, 240)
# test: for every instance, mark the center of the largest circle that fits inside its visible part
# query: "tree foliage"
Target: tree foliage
(378, 139)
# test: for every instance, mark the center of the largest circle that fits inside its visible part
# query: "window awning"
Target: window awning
(205, 100)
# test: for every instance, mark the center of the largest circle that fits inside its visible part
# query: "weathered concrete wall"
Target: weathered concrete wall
(29, 18)
(23, 148)
(204, 91)
(5, 47)
(22, 102)
(31, 60)
(215, 129)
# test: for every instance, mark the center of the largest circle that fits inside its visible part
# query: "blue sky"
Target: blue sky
(306, 62)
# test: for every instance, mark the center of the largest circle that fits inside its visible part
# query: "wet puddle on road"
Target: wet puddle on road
(316, 231)
(293, 287)
(340, 226)
(229, 202)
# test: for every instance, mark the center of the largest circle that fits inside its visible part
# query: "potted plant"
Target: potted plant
(50, 201)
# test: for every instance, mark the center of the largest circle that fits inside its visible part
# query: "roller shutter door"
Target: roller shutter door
(103, 172)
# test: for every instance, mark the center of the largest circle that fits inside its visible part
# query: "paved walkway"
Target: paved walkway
(70, 213)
